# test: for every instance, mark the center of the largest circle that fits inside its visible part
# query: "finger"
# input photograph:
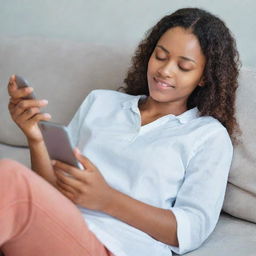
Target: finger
(12, 104)
(19, 114)
(65, 186)
(28, 114)
(24, 105)
(34, 119)
(62, 166)
(14, 100)
(67, 194)
(73, 171)
(17, 93)
(40, 117)
(12, 86)
(84, 160)
(70, 181)
(11, 107)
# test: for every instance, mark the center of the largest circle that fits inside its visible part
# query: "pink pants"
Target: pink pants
(36, 219)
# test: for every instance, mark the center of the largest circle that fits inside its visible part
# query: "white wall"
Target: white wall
(112, 22)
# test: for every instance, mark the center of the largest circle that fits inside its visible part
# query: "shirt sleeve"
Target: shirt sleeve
(200, 198)
(77, 121)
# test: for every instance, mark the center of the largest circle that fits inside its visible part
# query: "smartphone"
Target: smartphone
(22, 83)
(58, 143)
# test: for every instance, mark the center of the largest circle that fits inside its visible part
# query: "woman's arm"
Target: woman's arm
(89, 189)
(26, 114)
(158, 223)
(40, 161)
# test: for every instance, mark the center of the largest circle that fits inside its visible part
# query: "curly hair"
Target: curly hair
(217, 97)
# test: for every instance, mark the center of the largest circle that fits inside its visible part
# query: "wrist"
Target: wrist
(111, 202)
(33, 142)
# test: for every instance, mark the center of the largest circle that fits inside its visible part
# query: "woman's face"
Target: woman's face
(175, 67)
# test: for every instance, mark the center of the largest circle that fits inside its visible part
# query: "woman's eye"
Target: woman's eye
(160, 58)
(164, 58)
(183, 69)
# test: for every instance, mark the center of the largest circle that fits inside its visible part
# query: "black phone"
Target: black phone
(22, 83)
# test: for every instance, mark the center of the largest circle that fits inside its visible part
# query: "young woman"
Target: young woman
(156, 156)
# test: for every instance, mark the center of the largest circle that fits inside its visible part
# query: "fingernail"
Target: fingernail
(44, 101)
(53, 162)
(77, 150)
(29, 89)
(47, 115)
(11, 83)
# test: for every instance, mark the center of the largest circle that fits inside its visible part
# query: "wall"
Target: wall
(90, 21)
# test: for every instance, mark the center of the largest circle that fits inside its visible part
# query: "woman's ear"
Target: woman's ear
(201, 83)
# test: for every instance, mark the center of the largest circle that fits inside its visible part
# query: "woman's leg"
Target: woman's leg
(36, 219)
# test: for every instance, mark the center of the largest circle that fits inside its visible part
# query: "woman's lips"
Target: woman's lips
(162, 84)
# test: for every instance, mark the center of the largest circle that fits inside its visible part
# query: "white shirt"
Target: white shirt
(179, 163)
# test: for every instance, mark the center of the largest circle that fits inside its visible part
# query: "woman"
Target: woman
(157, 157)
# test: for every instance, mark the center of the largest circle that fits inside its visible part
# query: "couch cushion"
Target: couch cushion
(240, 199)
(231, 236)
(62, 71)
(20, 154)
(65, 71)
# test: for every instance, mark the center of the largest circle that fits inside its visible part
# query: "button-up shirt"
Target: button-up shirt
(178, 163)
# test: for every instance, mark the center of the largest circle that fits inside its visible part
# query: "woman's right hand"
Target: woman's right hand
(26, 112)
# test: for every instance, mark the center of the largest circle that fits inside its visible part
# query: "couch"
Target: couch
(64, 71)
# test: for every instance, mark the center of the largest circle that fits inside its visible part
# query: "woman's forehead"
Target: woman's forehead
(181, 41)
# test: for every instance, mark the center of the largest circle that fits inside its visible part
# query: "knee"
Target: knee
(9, 167)
(12, 175)
(9, 163)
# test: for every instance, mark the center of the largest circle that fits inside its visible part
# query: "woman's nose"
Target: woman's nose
(167, 70)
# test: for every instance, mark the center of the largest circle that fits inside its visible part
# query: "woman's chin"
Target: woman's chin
(159, 96)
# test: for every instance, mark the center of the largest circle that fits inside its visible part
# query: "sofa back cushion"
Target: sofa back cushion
(64, 72)
(240, 199)
(61, 71)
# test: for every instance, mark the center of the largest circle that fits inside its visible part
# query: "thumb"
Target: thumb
(12, 85)
(83, 160)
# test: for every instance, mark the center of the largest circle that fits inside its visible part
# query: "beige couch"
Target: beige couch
(65, 71)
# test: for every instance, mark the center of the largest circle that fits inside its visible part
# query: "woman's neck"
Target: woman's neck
(153, 108)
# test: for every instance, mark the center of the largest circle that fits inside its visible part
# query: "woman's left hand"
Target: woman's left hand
(86, 188)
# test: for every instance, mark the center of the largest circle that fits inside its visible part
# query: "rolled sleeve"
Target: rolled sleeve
(201, 195)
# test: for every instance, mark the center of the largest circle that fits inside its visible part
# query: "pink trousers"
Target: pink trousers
(36, 219)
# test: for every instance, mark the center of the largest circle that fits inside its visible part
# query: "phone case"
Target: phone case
(58, 143)
(22, 83)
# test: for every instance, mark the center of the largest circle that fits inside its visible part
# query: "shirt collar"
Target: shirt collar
(189, 115)
(185, 117)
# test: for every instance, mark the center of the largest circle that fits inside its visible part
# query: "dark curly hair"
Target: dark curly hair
(217, 97)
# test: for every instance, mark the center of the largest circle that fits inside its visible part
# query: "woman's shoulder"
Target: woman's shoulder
(110, 97)
(195, 118)
(210, 122)
(111, 94)
(210, 129)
